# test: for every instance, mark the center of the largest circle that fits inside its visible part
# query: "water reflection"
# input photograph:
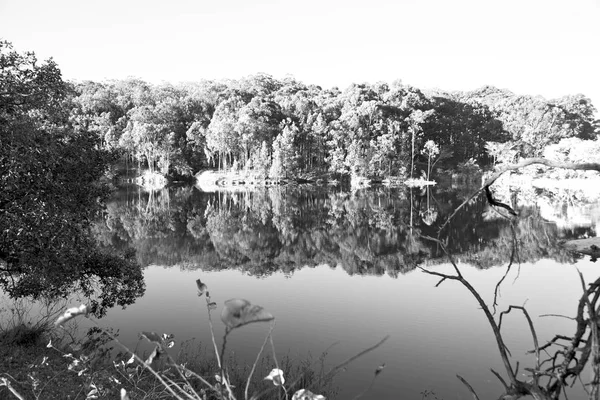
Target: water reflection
(368, 232)
(227, 239)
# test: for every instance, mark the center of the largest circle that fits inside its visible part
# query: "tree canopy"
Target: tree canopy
(50, 170)
(373, 130)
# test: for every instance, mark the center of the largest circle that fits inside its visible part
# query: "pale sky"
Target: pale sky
(538, 47)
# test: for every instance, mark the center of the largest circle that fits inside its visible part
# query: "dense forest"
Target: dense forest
(285, 128)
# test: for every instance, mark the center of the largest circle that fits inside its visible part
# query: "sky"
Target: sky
(537, 47)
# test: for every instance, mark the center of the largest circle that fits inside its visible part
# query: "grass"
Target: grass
(47, 360)
(37, 371)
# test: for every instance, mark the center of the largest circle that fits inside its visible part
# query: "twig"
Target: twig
(531, 328)
(500, 378)
(558, 315)
(335, 369)
(212, 330)
(512, 256)
(257, 359)
(361, 394)
(468, 387)
(6, 382)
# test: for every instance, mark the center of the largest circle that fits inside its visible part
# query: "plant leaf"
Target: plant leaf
(239, 312)
(379, 369)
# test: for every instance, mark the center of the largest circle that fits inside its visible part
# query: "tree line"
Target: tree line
(285, 128)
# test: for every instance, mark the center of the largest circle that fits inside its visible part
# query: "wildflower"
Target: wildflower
(276, 376)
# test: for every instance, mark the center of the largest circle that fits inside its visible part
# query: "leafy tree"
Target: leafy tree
(431, 150)
(49, 174)
(284, 154)
(222, 137)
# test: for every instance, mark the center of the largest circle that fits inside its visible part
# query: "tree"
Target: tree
(284, 153)
(431, 150)
(51, 193)
(222, 137)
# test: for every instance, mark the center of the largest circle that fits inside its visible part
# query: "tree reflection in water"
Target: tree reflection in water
(284, 228)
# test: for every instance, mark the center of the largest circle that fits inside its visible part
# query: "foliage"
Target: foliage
(369, 130)
(573, 150)
(50, 170)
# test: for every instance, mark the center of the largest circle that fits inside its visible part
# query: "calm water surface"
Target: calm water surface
(338, 267)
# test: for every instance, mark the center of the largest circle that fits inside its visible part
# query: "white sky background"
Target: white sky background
(537, 47)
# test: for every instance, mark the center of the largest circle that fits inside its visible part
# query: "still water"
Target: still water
(340, 271)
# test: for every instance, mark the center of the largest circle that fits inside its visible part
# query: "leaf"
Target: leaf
(276, 375)
(131, 360)
(70, 314)
(304, 394)
(212, 305)
(239, 312)
(201, 287)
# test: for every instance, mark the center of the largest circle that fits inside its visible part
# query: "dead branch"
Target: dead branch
(531, 328)
(595, 346)
(512, 257)
(468, 387)
(499, 340)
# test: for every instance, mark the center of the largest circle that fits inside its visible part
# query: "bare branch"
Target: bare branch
(558, 315)
(468, 387)
(500, 378)
(531, 328)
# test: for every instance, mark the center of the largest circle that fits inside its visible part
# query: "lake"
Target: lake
(339, 270)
